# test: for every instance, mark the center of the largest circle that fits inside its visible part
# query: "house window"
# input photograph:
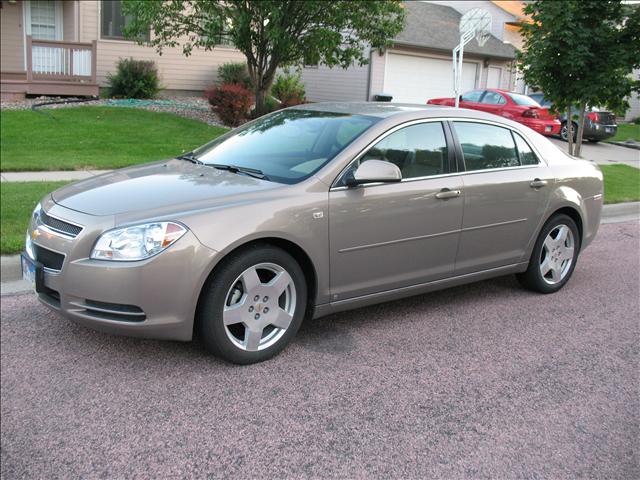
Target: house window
(114, 21)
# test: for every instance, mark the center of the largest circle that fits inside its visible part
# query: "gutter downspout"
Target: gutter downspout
(369, 75)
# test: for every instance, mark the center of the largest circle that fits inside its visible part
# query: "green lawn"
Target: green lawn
(627, 131)
(95, 137)
(17, 201)
(621, 183)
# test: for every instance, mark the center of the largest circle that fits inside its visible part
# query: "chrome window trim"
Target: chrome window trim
(337, 188)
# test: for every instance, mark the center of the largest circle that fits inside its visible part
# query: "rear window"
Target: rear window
(523, 100)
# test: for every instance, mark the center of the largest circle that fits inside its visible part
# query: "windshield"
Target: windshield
(523, 100)
(286, 146)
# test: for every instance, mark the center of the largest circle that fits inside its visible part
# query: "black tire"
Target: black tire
(593, 140)
(564, 134)
(215, 295)
(533, 279)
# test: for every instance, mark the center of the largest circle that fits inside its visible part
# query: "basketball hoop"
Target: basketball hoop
(475, 23)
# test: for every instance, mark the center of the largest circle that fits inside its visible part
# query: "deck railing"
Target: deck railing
(72, 62)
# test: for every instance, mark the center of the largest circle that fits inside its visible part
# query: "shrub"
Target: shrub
(234, 73)
(636, 121)
(230, 101)
(134, 79)
(289, 89)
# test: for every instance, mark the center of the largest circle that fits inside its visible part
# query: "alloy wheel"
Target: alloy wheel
(259, 307)
(557, 254)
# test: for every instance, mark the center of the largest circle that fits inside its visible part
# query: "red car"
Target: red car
(514, 106)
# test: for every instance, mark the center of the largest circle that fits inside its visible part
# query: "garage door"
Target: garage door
(414, 79)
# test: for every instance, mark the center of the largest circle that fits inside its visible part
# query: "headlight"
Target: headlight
(28, 244)
(137, 242)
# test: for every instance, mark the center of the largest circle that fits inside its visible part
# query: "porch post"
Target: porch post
(94, 54)
(29, 59)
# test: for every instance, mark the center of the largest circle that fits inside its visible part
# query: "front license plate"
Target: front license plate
(547, 129)
(32, 272)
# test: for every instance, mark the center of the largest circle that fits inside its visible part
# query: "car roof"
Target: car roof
(372, 109)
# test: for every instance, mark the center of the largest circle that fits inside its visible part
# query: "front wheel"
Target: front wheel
(554, 256)
(253, 305)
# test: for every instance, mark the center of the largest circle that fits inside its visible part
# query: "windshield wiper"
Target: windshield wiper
(251, 172)
(189, 158)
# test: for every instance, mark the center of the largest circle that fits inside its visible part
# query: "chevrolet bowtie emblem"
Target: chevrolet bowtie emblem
(35, 234)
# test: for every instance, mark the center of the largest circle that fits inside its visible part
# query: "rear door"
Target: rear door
(394, 235)
(506, 193)
(493, 102)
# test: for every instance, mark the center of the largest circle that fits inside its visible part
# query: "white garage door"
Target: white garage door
(412, 79)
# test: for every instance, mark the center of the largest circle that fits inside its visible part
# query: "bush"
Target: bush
(235, 74)
(134, 79)
(230, 101)
(636, 121)
(289, 89)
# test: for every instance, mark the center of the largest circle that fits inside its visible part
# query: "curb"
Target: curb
(12, 283)
(631, 144)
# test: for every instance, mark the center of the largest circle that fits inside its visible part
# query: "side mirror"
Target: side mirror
(374, 171)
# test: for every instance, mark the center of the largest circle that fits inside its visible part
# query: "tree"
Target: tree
(270, 33)
(581, 52)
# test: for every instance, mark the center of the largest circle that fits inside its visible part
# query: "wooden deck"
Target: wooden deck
(53, 68)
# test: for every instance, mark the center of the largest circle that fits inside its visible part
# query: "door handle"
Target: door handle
(537, 183)
(446, 193)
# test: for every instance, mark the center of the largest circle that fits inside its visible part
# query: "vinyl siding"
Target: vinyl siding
(68, 21)
(634, 101)
(11, 38)
(177, 72)
(324, 84)
(378, 63)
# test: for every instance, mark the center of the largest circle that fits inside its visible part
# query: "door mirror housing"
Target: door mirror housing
(374, 171)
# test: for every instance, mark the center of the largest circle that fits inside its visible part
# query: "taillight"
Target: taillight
(594, 117)
(531, 113)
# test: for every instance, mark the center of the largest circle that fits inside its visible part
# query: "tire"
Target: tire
(564, 134)
(550, 248)
(247, 292)
(593, 140)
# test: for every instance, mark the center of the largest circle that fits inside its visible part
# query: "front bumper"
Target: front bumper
(543, 127)
(152, 298)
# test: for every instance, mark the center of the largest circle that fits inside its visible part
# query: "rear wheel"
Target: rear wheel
(554, 256)
(253, 305)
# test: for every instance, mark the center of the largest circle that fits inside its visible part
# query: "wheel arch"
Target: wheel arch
(289, 246)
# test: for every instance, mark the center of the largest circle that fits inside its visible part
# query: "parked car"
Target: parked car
(309, 211)
(513, 106)
(599, 124)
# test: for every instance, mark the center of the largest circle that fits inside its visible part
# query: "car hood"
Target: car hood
(172, 185)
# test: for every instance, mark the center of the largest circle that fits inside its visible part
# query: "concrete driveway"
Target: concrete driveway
(482, 381)
(605, 153)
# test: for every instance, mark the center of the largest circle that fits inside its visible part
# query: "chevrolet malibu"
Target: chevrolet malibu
(306, 212)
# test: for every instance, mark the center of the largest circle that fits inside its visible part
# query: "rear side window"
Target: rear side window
(486, 146)
(493, 98)
(417, 150)
(526, 155)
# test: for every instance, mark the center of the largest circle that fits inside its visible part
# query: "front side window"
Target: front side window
(418, 150)
(473, 96)
(286, 146)
(526, 155)
(486, 146)
(114, 21)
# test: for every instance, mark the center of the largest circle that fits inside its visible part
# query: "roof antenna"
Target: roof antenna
(475, 23)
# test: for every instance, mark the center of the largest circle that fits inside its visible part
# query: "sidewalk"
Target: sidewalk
(12, 283)
(61, 176)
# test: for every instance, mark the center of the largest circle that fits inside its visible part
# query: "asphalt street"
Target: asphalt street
(486, 380)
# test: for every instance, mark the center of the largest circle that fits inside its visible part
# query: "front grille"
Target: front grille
(48, 258)
(112, 311)
(59, 225)
(50, 297)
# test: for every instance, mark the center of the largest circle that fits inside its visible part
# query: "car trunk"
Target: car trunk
(606, 118)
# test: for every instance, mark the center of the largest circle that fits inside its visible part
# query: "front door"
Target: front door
(385, 236)
(505, 195)
(44, 22)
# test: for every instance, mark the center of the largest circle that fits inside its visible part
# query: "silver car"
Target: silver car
(306, 212)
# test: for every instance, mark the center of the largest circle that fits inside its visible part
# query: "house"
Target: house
(54, 47)
(418, 65)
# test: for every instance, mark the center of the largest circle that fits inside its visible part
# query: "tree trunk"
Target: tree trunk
(261, 94)
(578, 146)
(569, 130)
